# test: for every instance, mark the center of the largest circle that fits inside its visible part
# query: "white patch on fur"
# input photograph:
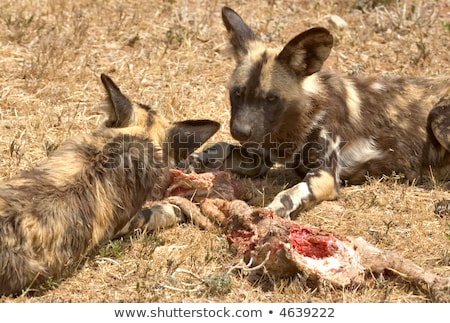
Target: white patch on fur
(352, 100)
(378, 86)
(318, 119)
(333, 145)
(312, 85)
(359, 152)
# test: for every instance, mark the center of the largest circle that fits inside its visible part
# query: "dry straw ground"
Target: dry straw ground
(171, 55)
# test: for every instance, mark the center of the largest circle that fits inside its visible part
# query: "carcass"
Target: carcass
(285, 247)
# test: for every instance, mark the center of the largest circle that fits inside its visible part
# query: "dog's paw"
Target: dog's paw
(442, 208)
(279, 208)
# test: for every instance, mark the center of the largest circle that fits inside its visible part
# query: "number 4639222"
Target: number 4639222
(307, 312)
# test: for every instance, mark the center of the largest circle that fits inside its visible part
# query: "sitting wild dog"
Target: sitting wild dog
(87, 190)
(330, 128)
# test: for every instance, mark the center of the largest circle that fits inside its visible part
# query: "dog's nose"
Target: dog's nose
(241, 131)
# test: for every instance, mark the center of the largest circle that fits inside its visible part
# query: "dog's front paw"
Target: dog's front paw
(279, 208)
(212, 158)
(442, 208)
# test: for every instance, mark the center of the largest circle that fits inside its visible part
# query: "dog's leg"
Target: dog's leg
(159, 216)
(225, 156)
(320, 183)
(439, 121)
(317, 186)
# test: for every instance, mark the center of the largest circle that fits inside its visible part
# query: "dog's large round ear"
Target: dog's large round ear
(306, 53)
(184, 137)
(240, 33)
(119, 107)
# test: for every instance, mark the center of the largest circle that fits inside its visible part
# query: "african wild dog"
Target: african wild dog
(329, 127)
(87, 190)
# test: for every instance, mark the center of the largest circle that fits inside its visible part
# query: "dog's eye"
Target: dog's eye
(272, 98)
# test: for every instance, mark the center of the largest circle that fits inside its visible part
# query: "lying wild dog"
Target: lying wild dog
(87, 190)
(330, 128)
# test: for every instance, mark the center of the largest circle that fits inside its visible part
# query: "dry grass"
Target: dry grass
(170, 54)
